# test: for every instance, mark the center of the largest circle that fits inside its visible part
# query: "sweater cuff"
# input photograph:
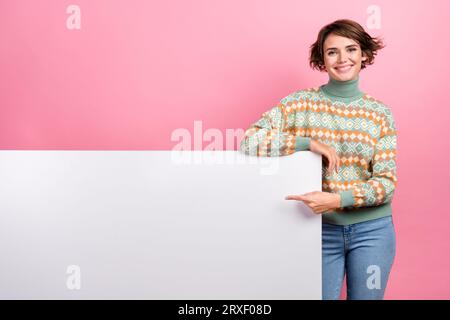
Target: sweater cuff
(302, 143)
(347, 199)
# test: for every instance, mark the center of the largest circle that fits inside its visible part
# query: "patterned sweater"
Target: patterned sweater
(360, 128)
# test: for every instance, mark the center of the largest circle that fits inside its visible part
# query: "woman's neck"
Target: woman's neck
(342, 90)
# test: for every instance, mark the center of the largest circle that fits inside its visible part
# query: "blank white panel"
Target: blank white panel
(142, 225)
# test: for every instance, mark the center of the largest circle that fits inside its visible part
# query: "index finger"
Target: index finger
(294, 197)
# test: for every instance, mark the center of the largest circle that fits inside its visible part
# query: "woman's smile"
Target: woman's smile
(344, 69)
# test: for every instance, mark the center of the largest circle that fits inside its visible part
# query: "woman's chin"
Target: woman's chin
(344, 77)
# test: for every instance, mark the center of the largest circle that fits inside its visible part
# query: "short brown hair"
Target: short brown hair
(349, 29)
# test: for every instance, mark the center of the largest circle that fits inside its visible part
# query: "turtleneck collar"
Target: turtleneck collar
(342, 90)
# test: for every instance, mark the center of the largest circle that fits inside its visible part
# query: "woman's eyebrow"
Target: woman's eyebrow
(349, 46)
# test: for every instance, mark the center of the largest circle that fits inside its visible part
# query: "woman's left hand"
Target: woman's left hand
(318, 201)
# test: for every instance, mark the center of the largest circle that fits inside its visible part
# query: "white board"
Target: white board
(143, 225)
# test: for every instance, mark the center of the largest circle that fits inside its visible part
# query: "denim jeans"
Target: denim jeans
(364, 252)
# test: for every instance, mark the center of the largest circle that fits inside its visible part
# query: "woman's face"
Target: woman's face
(342, 57)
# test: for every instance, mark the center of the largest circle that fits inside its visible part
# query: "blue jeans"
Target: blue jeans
(364, 252)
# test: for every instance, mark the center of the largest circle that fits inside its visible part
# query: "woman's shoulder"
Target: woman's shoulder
(377, 105)
(313, 94)
(301, 95)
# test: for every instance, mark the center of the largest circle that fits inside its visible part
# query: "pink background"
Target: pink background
(138, 70)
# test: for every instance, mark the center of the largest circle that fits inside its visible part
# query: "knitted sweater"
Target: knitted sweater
(360, 128)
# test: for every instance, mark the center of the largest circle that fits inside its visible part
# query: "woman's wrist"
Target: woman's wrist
(337, 201)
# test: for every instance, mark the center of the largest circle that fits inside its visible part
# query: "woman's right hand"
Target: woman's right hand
(329, 153)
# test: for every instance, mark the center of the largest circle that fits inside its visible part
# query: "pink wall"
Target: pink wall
(138, 70)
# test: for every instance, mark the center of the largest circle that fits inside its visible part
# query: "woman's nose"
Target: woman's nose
(342, 58)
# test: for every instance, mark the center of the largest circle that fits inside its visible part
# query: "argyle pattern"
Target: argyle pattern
(362, 132)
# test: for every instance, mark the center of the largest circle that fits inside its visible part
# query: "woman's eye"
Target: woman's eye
(331, 53)
(352, 49)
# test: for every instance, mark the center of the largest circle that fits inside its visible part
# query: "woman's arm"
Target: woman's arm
(273, 134)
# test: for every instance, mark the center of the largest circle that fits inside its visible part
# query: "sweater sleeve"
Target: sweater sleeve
(272, 135)
(379, 189)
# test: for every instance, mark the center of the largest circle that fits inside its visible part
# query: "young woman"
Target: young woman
(357, 137)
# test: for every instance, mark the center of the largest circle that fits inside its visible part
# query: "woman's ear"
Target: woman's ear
(364, 57)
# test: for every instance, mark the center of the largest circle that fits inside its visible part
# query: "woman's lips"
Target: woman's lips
(343, 69)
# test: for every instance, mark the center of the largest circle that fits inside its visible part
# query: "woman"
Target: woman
(357, 137)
